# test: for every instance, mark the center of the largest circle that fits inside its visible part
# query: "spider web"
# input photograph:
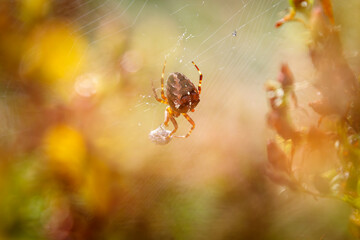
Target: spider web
(235, 50)
(236, 47)
(234, 44)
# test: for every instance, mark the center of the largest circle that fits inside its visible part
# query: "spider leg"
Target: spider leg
(156, 96)
(175, 126)
(163, 99)
(168, 117)
(200, 78)
(162, 82)
(192, 125)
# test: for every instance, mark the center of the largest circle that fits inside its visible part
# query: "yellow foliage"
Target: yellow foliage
(96, 189)
(66, 150)
(32, 9)
(54, 54)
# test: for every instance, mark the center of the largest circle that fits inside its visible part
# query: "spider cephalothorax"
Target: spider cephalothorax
(181, 97)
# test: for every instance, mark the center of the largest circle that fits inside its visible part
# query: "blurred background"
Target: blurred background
(76, 108)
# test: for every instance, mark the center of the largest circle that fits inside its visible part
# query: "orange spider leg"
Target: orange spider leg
(201, 77)
(169, 116)
(156, 96)
(162, 82)
(175, 127)
(192, 126)
(163, 99)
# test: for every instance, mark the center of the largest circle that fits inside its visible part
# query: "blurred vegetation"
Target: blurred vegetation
(75, 159)
(320, 158)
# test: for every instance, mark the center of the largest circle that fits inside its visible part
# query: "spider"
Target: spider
(181, 97)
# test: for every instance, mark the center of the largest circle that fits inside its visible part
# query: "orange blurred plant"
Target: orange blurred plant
(334, 144)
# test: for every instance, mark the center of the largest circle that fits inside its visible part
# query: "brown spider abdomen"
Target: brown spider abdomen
(181, 93)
